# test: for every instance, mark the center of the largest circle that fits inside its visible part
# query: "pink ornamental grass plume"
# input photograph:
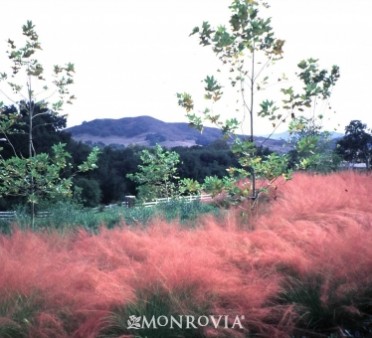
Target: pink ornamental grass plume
(316, 235)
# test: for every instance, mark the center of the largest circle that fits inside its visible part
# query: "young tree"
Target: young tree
(34, 175)
(157, 174)
(248, 47)
(34, 92)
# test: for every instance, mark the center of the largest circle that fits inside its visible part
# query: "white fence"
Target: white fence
(187, 199)
(12, 215)
(131, 203)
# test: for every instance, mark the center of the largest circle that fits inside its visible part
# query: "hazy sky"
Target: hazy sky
(132, 57)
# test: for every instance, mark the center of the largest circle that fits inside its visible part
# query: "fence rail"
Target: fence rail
(187, 199)
(131, 202)
(12, 215)
(8, 215)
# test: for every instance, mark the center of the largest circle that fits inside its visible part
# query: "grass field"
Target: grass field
(66, 216)
(301, 267)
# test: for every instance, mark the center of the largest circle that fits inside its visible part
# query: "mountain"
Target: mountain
(148, 131)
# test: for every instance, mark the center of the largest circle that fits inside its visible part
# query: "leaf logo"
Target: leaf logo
(134, 322)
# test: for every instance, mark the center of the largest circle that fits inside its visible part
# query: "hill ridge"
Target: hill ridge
(147, 131)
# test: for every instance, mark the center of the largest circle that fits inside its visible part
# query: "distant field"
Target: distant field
(300, 268)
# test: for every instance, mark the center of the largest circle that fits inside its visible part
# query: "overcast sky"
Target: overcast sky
(132, 57)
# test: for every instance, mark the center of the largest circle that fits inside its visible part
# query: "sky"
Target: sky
(132, 57)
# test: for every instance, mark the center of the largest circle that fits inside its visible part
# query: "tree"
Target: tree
(356, 145)
(200, 162)
(87, 191)
(47, 175)
(157, 174)
(312, 145)
(37, 175)
(47, 131)
(248, 47)
(24, 64)
(113, 165)
(313, 152)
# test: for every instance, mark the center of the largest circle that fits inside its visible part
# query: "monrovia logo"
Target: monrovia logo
(184, 322)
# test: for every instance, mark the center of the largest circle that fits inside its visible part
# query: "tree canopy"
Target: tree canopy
(356, 145)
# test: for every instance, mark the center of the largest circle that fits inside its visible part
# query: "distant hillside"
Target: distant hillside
(148, 131)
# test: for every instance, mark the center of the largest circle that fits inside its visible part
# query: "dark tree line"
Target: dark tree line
(108, 183)
(47, 130)
(115, 163)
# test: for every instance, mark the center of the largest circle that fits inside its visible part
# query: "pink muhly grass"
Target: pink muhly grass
(316, 227)
(66, 277)
(307, 196)
(327, 220)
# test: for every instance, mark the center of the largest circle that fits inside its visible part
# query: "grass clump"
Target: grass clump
(18, 312)
(159, 303)
(328, 306)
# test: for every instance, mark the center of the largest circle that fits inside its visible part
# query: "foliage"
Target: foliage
(47, 130)
(214, 185)
(356, 145)
(35, 175)
(313, 148)
(158, 177)
(197, 162)
(189, 186)
(316, 87)
(46, 173)
(24, 63)
(248, 47)
(87, 191)
(114, 164)
(267, 166)
(235, 186)
(40, 176)
(157, 174)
